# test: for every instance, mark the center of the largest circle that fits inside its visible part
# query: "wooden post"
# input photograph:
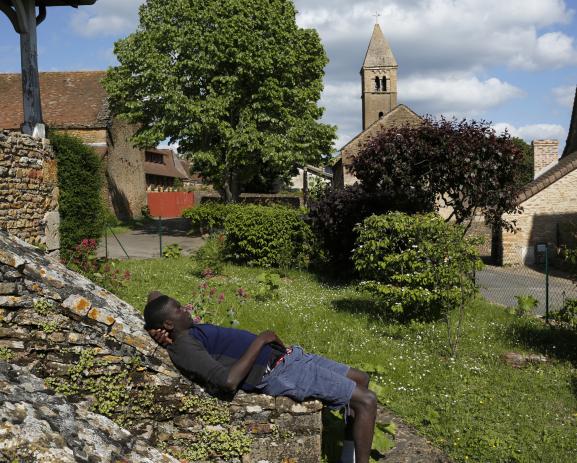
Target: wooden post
(305, 186)
(26, 10)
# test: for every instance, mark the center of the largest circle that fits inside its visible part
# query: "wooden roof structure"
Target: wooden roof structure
(22, 15)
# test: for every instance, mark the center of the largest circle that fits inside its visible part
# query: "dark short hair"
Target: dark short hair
(156, 312)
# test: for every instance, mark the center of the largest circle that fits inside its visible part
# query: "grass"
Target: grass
(474, 407)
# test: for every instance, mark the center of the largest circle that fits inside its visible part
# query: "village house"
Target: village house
(549, 204)
(379, 104)
(76, 103)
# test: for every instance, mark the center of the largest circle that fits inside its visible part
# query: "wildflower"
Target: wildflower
(220, 298)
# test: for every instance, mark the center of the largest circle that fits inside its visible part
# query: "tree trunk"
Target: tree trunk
(231, 188)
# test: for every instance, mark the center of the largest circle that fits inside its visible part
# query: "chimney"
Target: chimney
(545, 155)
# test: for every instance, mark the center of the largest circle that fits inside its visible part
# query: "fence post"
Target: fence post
(547, 283)
(160, 234)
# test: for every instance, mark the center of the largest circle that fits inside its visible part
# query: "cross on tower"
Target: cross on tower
(22, 15)
(377, 15)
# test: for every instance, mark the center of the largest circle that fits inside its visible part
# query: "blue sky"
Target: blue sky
(511, 62)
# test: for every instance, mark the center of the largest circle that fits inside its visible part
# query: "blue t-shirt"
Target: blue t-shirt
(209, 351)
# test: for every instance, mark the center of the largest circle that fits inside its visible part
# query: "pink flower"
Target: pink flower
(220, 297)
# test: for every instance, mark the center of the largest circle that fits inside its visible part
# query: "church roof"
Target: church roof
(398, 116)
(571, 145)
(379, 53)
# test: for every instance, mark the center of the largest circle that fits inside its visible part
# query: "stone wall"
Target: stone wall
(28, 189)
(125, 172)
(90, 346)
(543, 215)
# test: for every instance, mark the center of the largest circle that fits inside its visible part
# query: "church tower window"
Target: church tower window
(384, 85)
(377, 84)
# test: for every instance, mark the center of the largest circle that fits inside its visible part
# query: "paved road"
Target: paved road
(502, 284)
(144, 244)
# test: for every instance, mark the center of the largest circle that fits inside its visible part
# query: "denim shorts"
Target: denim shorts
(303, 376)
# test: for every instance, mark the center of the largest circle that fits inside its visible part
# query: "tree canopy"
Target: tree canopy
(234, 82)
(462, 165)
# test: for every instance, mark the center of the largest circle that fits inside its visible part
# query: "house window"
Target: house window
(154, 157)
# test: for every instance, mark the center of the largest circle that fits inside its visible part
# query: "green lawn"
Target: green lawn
(475, 407)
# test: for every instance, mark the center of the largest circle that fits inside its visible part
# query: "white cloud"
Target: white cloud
(444, 34)
(533, 132)
(106, 18)
(455, 95)
(564, 95)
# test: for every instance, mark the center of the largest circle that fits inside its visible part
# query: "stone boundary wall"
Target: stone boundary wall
(85, 342)
(262, 199)
(29, 189)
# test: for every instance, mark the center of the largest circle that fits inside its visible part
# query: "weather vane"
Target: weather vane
(377, 15)
(22, 15)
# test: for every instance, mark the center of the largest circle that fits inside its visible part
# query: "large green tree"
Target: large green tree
(234, 82)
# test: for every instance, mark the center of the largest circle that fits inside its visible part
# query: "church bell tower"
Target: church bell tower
(379, 79)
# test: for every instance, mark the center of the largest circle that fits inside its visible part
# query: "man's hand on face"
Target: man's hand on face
(271, 337)
(160, 336)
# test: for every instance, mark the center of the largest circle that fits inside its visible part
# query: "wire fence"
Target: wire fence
(550, 286)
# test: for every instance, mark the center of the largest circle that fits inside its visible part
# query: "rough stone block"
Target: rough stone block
(77, 304)
(100, 315)
(8, 288)
(15, 301)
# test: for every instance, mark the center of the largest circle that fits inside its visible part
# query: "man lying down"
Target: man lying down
(232, 359)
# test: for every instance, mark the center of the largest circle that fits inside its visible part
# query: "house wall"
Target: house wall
(538, 223)
(125, 172)
(29, 189)
(87, 135)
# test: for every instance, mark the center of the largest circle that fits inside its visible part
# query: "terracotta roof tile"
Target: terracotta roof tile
(70, 100)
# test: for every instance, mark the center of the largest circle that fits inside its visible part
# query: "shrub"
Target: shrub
(172, 251)
(210, 258)
(80, 182)
(417, 266)
(568, 314)
(335, 213)
(101, 271)
(267, 236)
(525, 305)
(209, 216)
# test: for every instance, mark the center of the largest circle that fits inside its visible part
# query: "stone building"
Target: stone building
(549, 204)
(379, 104)
(76, 103)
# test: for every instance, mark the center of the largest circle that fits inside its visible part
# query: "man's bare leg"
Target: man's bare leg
(364, 404)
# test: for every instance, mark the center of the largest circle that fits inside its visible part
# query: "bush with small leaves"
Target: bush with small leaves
(418, 267)
(268, 236)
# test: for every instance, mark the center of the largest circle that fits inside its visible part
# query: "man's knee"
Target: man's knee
(364, 399)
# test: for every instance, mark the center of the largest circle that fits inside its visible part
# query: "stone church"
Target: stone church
(379, 101)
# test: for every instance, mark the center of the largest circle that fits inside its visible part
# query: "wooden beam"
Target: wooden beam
(41, 14)
(6, 8)
(29, 57)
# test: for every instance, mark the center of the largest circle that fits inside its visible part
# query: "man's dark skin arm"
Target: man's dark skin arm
(242, 366)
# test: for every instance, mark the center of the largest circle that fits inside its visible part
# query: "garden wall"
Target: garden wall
(262, 199)
(29, 189)
(85, 342)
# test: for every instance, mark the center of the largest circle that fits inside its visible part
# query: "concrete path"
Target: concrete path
(144, 244)
(501, 284)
